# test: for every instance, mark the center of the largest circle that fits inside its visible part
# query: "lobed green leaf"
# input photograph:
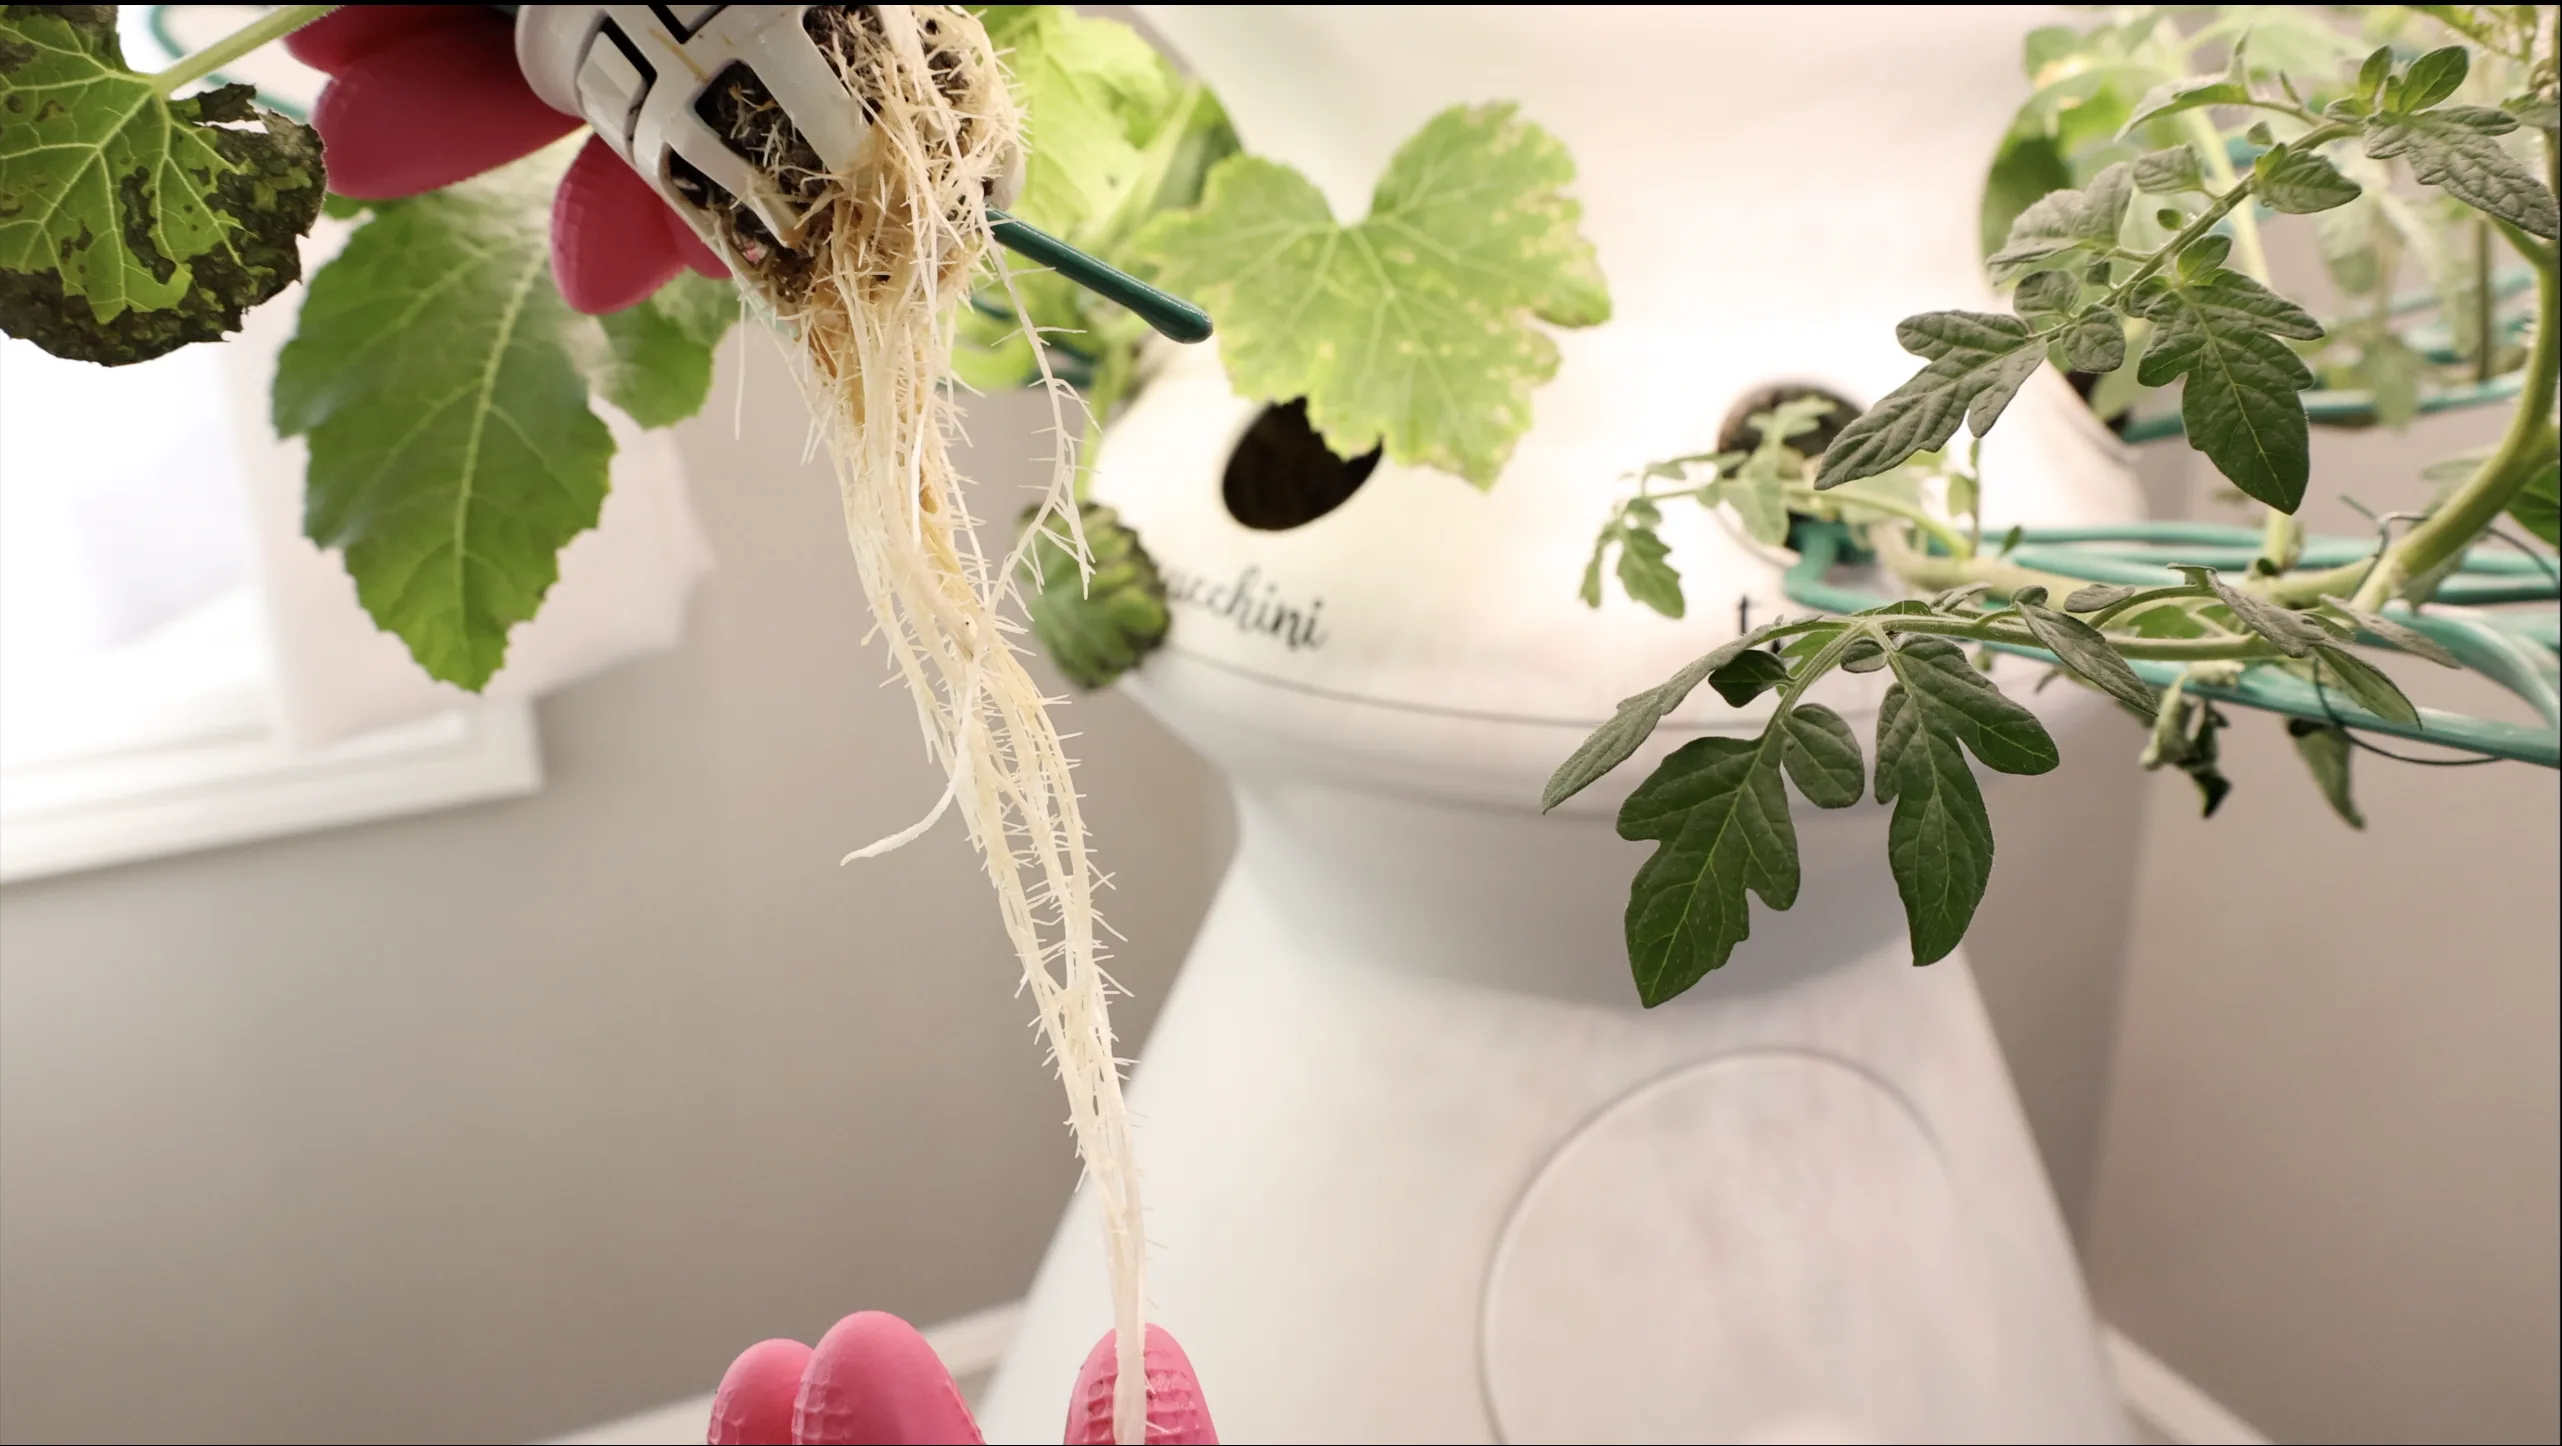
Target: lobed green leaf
(1759, 494)
(1413, 328)
(2450, 149)
(1966, 705)
(2056, 292)
(1939, 844)
(2227, 335)
(1823, 755)
(1978, 362)
(2066, 221)
(453, 455)
(2095, 343)
(1646, 571)
(2300, 183)
(1719, 813)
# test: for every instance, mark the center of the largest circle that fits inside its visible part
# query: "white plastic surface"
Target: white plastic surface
(576, 71)
(1396, 1118)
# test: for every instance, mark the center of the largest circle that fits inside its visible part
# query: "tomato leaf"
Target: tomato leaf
(1719, 814)
(1940, 841)
(1823, 755)
(2455, 149)
(1614, 742)
(1978, 362)
(2227, 335)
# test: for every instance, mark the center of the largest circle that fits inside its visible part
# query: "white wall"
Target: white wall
(493, 1123)
(490, 1124)
(2327, 1186)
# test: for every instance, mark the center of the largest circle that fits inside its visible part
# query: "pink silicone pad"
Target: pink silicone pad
(1177, 1416)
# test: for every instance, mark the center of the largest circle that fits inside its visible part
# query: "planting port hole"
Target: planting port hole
(1282, 476)
(1736, 433)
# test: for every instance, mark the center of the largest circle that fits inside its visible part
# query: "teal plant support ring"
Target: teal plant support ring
(2517, 653)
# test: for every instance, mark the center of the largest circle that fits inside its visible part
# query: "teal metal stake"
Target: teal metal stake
(1174, 318)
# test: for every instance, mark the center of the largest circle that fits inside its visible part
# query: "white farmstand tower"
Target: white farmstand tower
(1418, 1167)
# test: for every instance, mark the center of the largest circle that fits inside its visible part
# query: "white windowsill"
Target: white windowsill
(236, 780)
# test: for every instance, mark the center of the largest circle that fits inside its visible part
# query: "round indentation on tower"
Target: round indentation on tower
(1754, 1247)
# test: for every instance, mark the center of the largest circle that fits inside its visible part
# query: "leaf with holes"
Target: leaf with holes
(131, 224)
(453, 454)
(2227, 335)
(1978, 362)
(1940, 841)
(1414, 327)
(1719, 815)
(1613, 742)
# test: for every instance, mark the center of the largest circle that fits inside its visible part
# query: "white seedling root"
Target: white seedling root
(904, 242)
